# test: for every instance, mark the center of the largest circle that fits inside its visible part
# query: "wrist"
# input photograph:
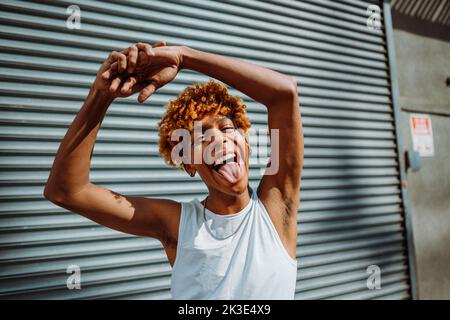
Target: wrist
(185, 54)
(101, 97)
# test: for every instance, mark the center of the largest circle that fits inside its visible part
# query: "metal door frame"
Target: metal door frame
(400, 144)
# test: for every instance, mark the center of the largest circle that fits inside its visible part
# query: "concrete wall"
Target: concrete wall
(423, 65)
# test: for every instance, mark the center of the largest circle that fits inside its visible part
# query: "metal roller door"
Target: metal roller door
(351, 215)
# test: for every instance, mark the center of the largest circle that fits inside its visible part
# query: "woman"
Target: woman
(237, 243)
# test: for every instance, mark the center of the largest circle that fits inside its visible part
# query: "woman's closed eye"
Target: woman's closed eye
(199, 140)
(228, 129)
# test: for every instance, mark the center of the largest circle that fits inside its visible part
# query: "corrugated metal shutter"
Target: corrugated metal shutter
(351, 212)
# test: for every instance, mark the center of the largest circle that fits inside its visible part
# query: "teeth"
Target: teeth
(224, 159)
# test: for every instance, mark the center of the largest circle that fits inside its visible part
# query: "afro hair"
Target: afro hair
(193, 104)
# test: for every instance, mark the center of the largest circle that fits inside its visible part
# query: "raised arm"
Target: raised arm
(279, 191)
(69, 183)
(278, 92)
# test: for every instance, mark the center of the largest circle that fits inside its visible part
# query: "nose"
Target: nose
(221, 141)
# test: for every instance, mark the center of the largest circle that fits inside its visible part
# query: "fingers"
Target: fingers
(128, 85)
(153, 83)
(146, 48)
(121, 60)
(110, 72)
(143, 58)
(147, 91)
(107, 74)
(128, 58)
(115, 85)
(156, 79)
(132, 58)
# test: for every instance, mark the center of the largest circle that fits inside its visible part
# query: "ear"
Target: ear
(189, 168)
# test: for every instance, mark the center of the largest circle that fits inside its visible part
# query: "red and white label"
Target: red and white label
(422, 134)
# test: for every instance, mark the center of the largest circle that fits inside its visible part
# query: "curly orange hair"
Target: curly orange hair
(194, 103)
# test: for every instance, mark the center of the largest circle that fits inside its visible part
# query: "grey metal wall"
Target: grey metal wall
(351, 213)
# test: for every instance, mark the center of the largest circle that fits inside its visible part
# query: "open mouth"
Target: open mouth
(224, 160)
(229, 167)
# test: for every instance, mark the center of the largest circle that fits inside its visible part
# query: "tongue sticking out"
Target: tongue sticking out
(231, 172)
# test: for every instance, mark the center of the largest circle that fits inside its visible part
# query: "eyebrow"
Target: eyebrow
(222, 120)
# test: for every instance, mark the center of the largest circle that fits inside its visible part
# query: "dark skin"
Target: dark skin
(145, 69)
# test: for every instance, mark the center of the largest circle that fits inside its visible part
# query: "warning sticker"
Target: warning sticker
(422, 134)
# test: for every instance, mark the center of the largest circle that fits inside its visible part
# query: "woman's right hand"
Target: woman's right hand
(123, 64)
(150, 72)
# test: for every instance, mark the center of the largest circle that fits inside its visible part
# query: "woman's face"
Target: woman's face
(220, 153)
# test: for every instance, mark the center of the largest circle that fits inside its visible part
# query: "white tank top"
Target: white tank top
(234, 256)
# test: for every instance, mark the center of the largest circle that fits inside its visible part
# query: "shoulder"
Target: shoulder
(185, 215)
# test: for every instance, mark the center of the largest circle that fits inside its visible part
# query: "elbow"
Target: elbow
(287, 91)
(292, 87)
(52, 194)
(60, 195)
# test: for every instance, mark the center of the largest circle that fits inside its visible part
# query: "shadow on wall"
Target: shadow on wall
(430, 18)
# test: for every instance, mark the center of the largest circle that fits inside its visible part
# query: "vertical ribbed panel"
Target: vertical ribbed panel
(351, 213)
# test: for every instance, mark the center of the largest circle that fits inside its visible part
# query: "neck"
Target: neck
(222, 203)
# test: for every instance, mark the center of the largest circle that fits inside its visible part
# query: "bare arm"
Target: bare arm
(261, 84)
(278, 93)
(279, 192)
(69, 183)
